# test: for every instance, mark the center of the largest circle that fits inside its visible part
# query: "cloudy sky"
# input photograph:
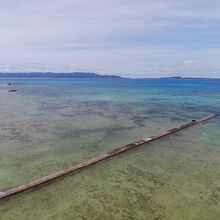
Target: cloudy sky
(137, 38)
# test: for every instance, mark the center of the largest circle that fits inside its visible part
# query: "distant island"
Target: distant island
(83, 75)
(77, 75)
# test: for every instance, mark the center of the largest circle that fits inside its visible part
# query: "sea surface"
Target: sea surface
(50, 124)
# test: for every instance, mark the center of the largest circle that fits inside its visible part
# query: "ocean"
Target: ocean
(50, 124)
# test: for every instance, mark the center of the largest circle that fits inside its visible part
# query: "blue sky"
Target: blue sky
(137, 38)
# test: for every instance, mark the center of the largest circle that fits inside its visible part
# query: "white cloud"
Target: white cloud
(188, 63)
(110, 35)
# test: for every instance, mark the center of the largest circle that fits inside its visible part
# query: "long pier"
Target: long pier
(64, 172)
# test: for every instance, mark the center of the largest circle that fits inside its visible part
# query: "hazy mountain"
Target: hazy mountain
(58, 75)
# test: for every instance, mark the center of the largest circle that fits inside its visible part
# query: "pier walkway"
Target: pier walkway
(97, 159)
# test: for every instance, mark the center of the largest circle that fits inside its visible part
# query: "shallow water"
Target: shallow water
(51, 123)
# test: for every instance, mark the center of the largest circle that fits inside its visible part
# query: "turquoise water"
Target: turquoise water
(49, 124)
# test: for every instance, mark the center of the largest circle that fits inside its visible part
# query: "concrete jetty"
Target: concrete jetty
(64, 172)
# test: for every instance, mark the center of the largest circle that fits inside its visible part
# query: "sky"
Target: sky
(133, 38)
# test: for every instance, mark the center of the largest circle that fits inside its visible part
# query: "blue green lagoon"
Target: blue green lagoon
(50, 124)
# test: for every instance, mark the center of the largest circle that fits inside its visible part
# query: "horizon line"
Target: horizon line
(107, 75)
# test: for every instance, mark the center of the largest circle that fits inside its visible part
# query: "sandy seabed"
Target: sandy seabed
(47, 127)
